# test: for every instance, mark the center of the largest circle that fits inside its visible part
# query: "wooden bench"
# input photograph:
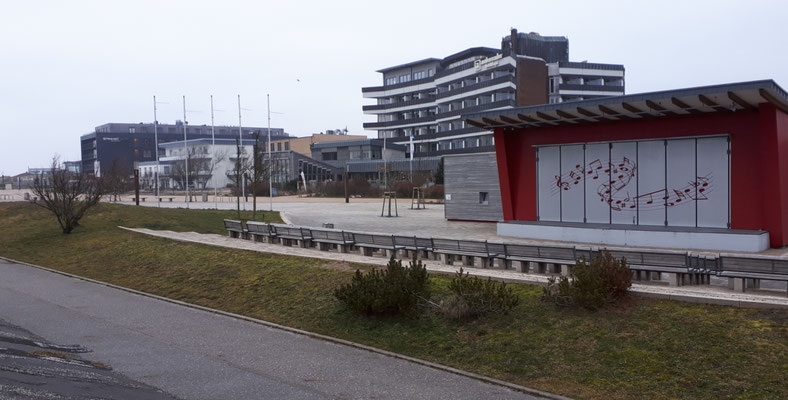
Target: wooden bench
(471, 252)
(538, 259)
(648, 265)
(368, 243)
(286, 234)
(413, 246)
(326, 239)
(747, 272)
(259, 231)
(235, 229)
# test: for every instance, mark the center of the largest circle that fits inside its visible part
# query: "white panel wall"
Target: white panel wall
(549, 165)
(712, 185)
(651, 182)
(681, 182)
(624, 183)
(572, 193)
(597, 207)
(680, 163)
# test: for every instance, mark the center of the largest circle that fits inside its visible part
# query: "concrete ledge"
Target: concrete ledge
(705, 239)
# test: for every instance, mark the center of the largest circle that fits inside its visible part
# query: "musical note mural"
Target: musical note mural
(680, 181)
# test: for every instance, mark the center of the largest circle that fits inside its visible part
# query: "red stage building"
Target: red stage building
(702, 168)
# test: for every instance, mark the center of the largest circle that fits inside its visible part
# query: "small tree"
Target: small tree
(118, 179)
(240, 168)
(258, 171)
(66, 194)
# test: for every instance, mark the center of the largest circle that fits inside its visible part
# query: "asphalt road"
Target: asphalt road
(195, 354)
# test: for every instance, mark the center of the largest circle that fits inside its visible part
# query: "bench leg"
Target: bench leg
(737, 284)
(564, 269)
(478, 262)
(446, 259)
(366, 251)
(389, 253)
(500, 263)
(343, 248)
(655, 276)
(673, 279)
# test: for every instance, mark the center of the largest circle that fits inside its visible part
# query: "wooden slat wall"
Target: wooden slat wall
(464, 177)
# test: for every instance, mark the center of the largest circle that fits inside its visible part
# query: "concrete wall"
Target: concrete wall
(465, 176)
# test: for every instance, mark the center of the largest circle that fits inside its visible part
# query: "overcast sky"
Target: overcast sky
(69, 66)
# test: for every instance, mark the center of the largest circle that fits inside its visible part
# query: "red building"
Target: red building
(702, 167)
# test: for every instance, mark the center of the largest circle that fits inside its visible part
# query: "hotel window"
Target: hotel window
(420, 75)
(279, 146)
(404, 78)
(431, 72)
(287, 145)
(131, 130)
(391, 81)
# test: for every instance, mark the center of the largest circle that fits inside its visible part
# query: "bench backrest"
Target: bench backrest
(425, 243)
(260, 228)
(445, 244)
(363, 238)
(292, 231)
(472, 246)
(233, 225)
(405, 241)
(757, 265)
(496, 249)
(558, 253)
(330, 235)
(383, 240)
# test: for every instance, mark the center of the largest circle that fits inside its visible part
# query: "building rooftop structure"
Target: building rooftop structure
(724, 98)
(425, 99)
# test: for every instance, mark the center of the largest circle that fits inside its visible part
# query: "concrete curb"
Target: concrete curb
(441, 367)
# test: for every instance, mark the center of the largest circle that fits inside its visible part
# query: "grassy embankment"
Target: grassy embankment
(641, 349)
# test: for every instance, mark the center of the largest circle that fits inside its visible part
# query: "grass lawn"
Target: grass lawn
(641, 349)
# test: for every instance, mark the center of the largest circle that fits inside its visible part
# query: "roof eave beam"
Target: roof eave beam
(741, 102)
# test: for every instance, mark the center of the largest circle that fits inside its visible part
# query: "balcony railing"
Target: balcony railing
(397, 85)
(397, 122)
(479, 108)
(389, 106)
(591, 88)
(477, 86)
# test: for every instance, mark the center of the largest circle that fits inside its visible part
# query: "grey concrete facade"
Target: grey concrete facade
(472, 188)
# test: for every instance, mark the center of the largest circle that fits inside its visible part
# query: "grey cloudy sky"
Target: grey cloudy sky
(68, 66)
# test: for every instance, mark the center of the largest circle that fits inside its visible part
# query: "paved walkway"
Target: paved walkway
(699, 294)
(363, 215)
(196, 354)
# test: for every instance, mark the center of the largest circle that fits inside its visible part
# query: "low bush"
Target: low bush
(591, 284)
(394, 290)
(472, 297)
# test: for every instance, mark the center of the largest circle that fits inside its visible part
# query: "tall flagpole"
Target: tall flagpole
(186, 152)
(156, 150)
(213, 158)
(241, 143)
(270, 160)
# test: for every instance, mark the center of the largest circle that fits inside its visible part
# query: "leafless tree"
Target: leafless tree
(237, 175)
(66, 194)
(201, 165)
(118, 179)
(258, 172)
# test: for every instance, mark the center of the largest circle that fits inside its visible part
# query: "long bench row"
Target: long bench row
(679, 268)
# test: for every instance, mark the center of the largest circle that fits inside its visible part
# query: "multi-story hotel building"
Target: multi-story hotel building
(425, 99)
